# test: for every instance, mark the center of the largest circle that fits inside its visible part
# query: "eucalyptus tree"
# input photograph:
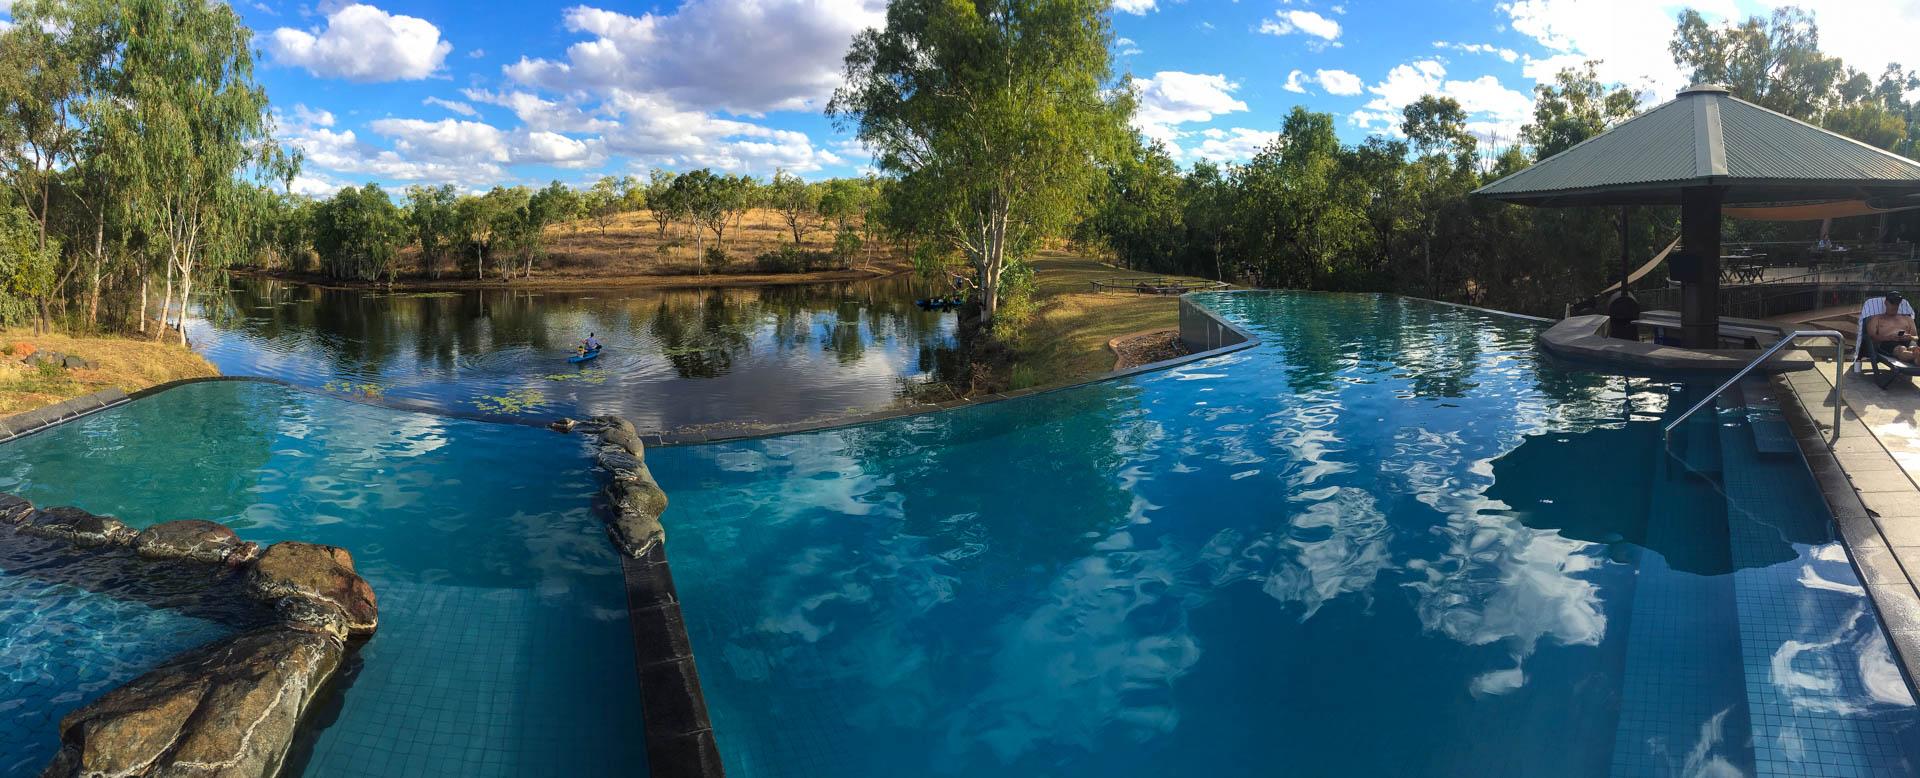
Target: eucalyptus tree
(657, 196)
(994, 113)
(201, 120)
(1775, 62)
(1575, 107)
(790, 197)
(431, 223)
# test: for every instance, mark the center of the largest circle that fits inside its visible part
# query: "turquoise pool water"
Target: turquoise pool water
(503, 646)
(1390, 540)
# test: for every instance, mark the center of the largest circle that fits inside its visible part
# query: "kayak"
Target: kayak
(582, 357)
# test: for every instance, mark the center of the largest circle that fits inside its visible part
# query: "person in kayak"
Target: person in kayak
(591, 344)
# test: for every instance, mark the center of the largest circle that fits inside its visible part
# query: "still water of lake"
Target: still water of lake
(674, 358)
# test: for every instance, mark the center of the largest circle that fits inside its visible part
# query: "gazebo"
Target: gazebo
(1701, 150)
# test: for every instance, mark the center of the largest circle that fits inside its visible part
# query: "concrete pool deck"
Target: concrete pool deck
(1870, 477)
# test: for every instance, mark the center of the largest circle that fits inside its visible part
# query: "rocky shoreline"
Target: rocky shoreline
(229, 707)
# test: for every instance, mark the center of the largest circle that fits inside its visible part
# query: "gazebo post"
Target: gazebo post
(1700, 297)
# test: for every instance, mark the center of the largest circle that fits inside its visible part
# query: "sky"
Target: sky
(482, 92)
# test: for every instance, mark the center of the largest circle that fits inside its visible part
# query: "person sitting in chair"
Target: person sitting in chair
(1892, 330)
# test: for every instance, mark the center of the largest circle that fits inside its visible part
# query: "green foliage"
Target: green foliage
(26, 267)
(716, 259)
(358, 234)
(1774, 62)
(1574, 108)
(992, 116)
(846, 245)
(790, 258)
(432, 223)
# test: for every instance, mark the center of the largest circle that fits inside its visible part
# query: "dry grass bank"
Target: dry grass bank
(1072, 325)
(128, 363)
(633, 244)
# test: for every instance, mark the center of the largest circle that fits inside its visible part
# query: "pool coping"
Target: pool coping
(1840, 460)
(24, 423)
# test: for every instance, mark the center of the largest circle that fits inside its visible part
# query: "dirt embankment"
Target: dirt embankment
(131, 364)
(631, 250)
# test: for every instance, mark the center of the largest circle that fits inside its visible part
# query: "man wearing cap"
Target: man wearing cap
(1892, 331)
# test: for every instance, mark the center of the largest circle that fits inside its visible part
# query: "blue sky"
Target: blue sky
(483, 92)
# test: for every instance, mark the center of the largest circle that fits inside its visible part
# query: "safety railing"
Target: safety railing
(1839, 372)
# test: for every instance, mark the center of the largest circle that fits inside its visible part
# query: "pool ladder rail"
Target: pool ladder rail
(1839, 373)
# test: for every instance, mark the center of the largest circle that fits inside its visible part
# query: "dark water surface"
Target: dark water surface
(674, 357)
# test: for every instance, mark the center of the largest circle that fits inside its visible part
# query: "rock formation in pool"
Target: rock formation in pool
(229, 707)
(635, 499)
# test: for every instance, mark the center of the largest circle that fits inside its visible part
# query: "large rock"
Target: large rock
(626, 439)
(637, 505)
(78, 527)
(196, 539)
(14, 509)
(72, 362)
(614, 423)
(224, 710)
(322, 573)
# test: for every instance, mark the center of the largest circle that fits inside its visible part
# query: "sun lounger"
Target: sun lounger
(1867, 358)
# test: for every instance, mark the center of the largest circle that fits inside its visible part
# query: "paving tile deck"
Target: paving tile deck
(1870, 477)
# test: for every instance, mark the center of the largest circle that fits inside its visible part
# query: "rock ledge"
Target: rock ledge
(229, 708)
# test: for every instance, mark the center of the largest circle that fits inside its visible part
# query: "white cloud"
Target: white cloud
(1172, 97)
(1490, 105)
(363, 43)
(455, 106)
(314, 186)
(447, 140)
(541, 114)
(1338, 82)
(1479, 48)
(476, 53)
(653, 131)
(1126, 46)
(1238, 143)
(740, 56)
(1867, 35)
(551, 148)
(303, 115)
(1629, 37)
(1135, 7)
(1304, 22)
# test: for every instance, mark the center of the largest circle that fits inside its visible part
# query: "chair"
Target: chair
(1883, 369)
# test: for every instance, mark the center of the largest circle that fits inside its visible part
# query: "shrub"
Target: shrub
(846, 245)
(717, 259)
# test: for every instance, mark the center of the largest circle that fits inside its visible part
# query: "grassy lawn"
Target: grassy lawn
(1070, 329)
(128, 363)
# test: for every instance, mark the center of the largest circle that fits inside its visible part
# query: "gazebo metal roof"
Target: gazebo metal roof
(1706, 137)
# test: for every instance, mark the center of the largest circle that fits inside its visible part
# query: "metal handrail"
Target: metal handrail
(1839, 373)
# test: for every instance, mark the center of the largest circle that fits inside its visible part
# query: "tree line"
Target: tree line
(360, 233)
(134, 145)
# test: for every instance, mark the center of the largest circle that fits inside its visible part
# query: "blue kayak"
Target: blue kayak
(584, 356)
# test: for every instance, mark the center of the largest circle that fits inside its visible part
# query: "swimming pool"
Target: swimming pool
(1391, 539)
(503, 646)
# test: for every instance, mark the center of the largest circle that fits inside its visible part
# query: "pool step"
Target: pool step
(1771, 436)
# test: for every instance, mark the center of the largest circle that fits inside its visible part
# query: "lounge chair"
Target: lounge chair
(1867, 359)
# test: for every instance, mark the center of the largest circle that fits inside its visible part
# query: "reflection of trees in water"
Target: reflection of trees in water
(700, 332)
(701, 340)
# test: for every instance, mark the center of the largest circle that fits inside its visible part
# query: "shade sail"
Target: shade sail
(1706, 137)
